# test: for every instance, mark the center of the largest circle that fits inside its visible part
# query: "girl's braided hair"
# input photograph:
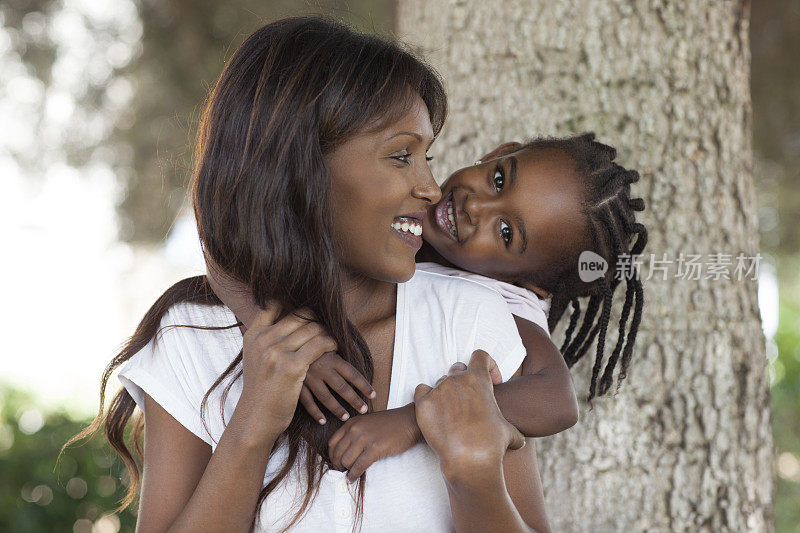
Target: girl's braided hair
(610, 219)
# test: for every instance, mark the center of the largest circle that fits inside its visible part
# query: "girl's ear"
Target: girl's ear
(503, 149)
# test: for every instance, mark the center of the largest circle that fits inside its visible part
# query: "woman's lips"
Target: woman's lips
(442, 219)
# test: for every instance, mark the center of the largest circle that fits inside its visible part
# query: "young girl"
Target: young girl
(516, 221)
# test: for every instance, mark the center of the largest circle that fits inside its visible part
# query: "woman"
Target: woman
(312, 146)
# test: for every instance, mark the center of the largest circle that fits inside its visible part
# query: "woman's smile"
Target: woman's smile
(409, 228)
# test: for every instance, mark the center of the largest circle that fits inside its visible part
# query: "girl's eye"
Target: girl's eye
(506, 232)
(498, 180)
(428, 158)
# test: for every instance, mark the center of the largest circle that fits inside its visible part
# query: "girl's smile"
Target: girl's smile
(444, 215)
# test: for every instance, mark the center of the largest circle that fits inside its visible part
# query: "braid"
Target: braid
(602, 327)
(588, 321)
(573, 321)
(611, 222)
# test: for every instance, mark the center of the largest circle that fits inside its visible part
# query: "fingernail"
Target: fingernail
(372, 394)
(345, 416)
(322, 421)
(363, 409)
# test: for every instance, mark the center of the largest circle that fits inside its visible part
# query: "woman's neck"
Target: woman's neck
(368, 300)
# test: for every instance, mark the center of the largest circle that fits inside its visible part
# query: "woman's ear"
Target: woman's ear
(503, 149)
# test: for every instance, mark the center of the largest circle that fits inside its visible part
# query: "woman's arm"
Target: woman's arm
(542, 400)
(505, 497)
(187, 488)
(490, 474)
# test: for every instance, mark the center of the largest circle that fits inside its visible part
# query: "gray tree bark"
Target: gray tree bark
(686, 444)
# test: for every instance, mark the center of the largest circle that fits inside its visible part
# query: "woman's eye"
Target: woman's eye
(403, 158)
(506, 232)
(428, 158)
(498, 180)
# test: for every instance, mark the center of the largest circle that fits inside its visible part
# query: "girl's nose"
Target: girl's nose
(473, 208)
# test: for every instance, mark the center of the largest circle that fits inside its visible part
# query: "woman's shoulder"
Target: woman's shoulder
(200, 326)
(195, 314)
(441, 283)
(194, 336)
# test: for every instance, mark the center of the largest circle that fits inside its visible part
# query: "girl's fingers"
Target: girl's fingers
(355, 377)
(338, 385)
(324, 396)
(360, 466)
(307, 399)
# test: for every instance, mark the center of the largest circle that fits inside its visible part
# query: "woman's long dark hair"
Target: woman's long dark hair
(292, 92)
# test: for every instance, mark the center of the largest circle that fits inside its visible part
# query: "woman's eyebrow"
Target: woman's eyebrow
(417, 136)
(512, 174)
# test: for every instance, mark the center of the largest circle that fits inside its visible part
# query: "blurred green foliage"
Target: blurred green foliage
(36, 494)
(785, 419)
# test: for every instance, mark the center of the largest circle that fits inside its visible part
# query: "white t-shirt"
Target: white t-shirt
(521, 302)
(439, 320)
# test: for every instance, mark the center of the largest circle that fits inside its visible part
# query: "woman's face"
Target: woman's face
(380, 184)
(516, 213)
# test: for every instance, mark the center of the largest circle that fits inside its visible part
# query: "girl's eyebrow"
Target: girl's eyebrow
(512, 174)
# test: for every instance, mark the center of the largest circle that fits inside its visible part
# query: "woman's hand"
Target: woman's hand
(332, 373)
(275, 360)
(328, 373)
(459, 417)
(364, 439)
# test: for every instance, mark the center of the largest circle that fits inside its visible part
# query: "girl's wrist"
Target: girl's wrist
(411, 423)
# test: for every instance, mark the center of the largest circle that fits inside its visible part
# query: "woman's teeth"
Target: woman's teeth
(404, 225)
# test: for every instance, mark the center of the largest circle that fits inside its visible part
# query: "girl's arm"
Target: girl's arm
(542, 400)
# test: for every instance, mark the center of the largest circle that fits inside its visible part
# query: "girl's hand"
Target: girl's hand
(460, 419)
(364, 439)
(275, 359)
(332, 373)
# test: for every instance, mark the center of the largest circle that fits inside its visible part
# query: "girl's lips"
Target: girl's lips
(440, 216)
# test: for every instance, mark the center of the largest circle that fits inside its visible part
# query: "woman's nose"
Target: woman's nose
(426, 188)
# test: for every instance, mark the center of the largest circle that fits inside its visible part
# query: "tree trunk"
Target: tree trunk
(686, 444)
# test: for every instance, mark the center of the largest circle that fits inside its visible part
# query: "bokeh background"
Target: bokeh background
(99, 103)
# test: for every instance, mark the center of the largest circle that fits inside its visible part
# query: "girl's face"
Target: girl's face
(517, 212)
(381, 181)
